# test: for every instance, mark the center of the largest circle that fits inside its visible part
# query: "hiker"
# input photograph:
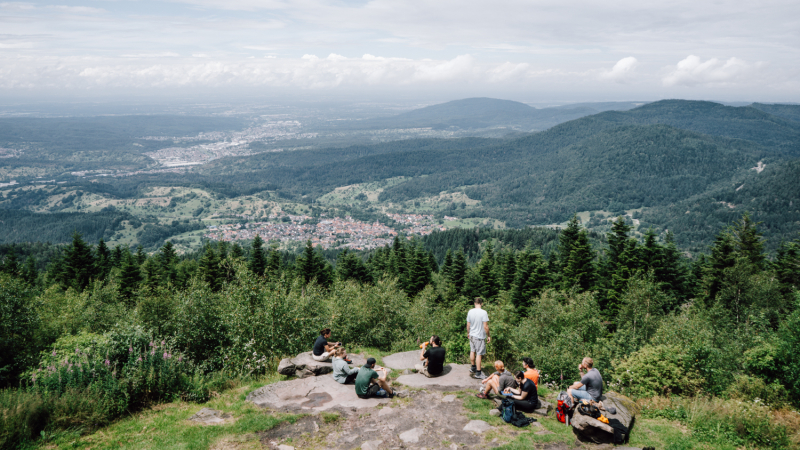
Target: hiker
(591, 385)
(432, 358)
(342, 372)
(478, 334)
(370, 384)
(530, 370)
(498, 381)
(526, 398)
(322, 349)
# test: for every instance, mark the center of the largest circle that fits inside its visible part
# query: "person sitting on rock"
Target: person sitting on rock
(322, 349)
(530, 370)
(370, 384)
(432, 358)
(342, 372)
(591, 385)
(526, 398)
(498, 381)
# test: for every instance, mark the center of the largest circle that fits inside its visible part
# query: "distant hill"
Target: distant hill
(789, 112)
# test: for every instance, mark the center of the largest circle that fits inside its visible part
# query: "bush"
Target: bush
(657, 370)
(754, 389)
(19, 325)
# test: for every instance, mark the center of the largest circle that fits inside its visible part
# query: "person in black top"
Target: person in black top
(432, 358)
(526, 398)
(322, 349)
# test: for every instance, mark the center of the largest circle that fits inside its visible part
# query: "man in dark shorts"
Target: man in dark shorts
(370, 384)
(432, 358)
(591, 385)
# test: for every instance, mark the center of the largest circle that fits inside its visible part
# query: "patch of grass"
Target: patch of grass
(330, 417)
(166, 426)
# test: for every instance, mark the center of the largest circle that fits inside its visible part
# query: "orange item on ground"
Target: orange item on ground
(533, 375)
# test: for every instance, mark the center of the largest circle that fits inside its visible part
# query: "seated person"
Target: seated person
(498, 381)
(526, 398)
(432, 358)
(370, 384)
(342, 372)
(322, 349)
(591, 385)
(530, 370)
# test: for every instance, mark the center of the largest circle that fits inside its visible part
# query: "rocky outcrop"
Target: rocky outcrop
(304, 366)
(592, 430)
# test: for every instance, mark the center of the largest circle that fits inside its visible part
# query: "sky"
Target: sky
(533, 51)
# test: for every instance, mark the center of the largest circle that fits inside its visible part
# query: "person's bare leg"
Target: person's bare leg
(492, 385)
(569, 392)
(472, 358)
(385, 386)
(478, 359)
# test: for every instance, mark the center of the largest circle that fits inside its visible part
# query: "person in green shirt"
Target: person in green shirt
(370, 384)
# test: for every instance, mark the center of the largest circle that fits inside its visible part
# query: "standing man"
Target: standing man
(478, 334)
(432, 358)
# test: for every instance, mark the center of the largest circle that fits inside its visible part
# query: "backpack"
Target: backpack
(507, 410)
(562, 409)
(589, 409)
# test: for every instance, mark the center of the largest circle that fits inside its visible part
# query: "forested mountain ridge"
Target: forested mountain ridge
(788, 112)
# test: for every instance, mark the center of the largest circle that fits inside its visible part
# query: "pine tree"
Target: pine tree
(350, 267)
(787, 265)
(400, 263)
(311, 265)
(447, 266)
(748, 240)
(209, 269)
(236, 251)
(79, 265)
(509, 271)
(258, 263)
(419, 270)
(103, 259)
(151, 274)
(168, 261)
(458, 272)
(141, 256)
(566, 239)
(130, 275)
(671, 274)
(723, 256)
(11, 263)
(580, 270)
(489, 286)
(273, 264)
(29, 272)
(530, 279)
(116, 256)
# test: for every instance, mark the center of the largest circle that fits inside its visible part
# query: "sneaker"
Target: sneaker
(480, 376)
(348, 361)
(473, 369)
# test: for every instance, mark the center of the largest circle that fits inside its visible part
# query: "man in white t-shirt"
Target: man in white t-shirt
(478, 334)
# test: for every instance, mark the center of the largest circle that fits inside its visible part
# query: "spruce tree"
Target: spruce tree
(273, 264)
(748, 240)
(209, 269)
(130, 275)
(79, 264)
(723, 256)
(509, 271)
(530, 279)
(458, 272)
(350, 267)
(141, 256)
(168, 261)
(11, 263)
(419, 270)
(258, 263)
(447, 266)
(488, 286)
(29, 272)
(580, 270)
(566, 240)
(787, 265)
(103, 259)
(236, 251)
(116, 256)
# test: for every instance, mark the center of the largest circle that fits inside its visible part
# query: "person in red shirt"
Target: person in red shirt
(530, 370)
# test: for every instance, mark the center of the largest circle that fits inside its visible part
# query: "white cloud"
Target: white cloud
(152, 55)
(623, 70)
(508, 72)
(692, 71)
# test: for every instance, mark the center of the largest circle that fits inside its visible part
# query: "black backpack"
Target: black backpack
(588, 409)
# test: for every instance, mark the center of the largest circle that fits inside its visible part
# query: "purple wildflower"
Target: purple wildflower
(151, 343)
(163, 343)
(107, 362)
(152, 352)
(54, 353)
(77, 350)
(139, 359)
(180, 358)
(130, 349)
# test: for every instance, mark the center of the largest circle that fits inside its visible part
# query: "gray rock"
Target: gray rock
(286, 367)
(305, 373)
(400, 361)
(285, 447)
(411, 436)
(310, 394)
(208, 416)
(449, 398)
(587, 429)
(371, 445)
(385, 412)
(477, 426)
(456, 377)
(544, 408)
(494, 412)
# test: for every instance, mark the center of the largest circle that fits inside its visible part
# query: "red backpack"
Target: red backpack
(563, 407)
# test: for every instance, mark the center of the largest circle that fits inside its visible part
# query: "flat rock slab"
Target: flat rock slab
(208, 416)
(304, 366)
(456, 377)
(404, 360)
(411, 436)
(477, 426)
(310, 394)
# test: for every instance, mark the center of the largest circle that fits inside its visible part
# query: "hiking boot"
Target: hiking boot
(480, 376)
(348, 361)
(481, 396)
(473, 370)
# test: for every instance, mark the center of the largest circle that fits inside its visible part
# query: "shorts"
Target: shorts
(581, 394)
(323, 357)
(477, 346)
(374, 391)
(423, 369)
(351, 379)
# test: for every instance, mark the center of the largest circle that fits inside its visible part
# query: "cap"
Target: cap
(371, 361)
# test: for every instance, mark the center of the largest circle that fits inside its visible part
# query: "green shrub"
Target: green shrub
(656, 370)
(754, 389)
(19, 325)
(23, 416)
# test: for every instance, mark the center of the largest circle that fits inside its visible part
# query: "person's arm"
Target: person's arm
(468, 329)
(423, 354)
(385, 373)
(576, 385)
(486, 330)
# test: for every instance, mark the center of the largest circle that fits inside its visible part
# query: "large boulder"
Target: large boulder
(310, 395)
(404, 360)
(592, 430)
(455, 377)
(304, 366)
